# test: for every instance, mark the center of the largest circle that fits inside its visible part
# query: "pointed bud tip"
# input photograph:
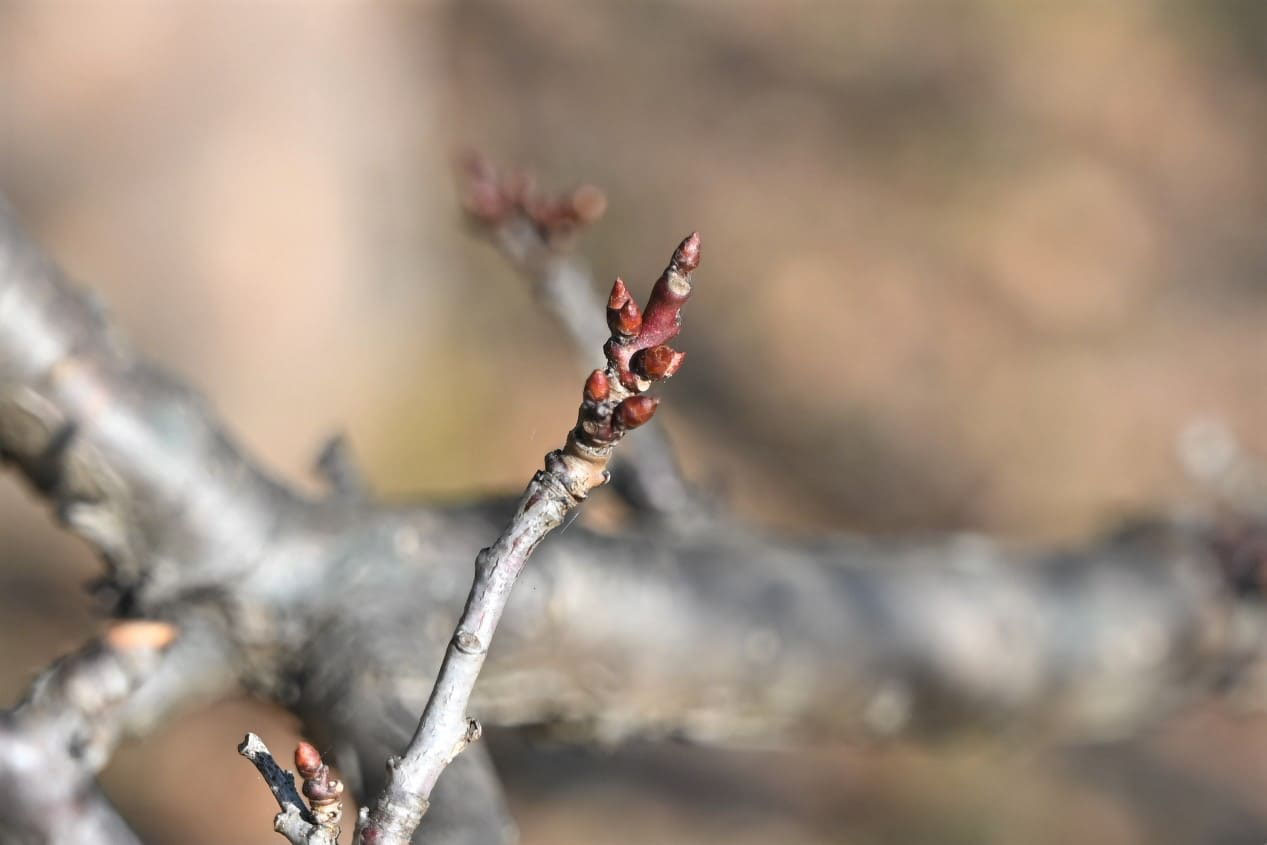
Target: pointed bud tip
(597, 386)
(687, 255)
(619, 295)
(623, 315)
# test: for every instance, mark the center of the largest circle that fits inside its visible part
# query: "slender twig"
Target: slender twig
(614, 402)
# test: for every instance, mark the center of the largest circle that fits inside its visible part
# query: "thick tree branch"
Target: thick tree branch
(787, 640)
(131, 458)
(614, 402)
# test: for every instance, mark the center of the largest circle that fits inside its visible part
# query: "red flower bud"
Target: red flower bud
(619, 295)
(597, 387)
(623, 317)
(307, 760)
(658, 362)
(635, 411)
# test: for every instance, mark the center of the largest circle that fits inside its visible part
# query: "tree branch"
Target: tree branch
(62, 734)
(341, 609)
(614, 403)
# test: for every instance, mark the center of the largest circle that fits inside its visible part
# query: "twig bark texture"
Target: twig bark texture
(613, 403)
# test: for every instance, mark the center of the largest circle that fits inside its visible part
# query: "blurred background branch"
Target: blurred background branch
(1014, 252)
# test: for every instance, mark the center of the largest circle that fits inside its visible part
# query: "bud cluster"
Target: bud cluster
(614, 400)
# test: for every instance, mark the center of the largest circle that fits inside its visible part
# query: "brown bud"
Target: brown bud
(635, 411)
(686, 256)
(623, 317)
(658, 362)
(307, 760)
(597, 387)
(619, 295)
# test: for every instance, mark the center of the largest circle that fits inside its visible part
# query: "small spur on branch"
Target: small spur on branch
(314, 823)
(614, 402)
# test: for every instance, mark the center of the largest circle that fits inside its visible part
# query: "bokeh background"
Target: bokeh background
(968, 265)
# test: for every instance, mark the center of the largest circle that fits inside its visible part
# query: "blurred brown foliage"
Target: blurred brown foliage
(993, 256)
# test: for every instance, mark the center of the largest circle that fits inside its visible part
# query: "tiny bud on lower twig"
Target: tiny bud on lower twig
(307, 760)
(324, 793)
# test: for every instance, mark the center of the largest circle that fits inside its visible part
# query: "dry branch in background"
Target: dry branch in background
(340, 608)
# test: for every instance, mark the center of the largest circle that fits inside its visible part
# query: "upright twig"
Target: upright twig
(613, 403)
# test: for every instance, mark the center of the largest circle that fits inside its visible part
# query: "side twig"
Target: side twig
(614, 403)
